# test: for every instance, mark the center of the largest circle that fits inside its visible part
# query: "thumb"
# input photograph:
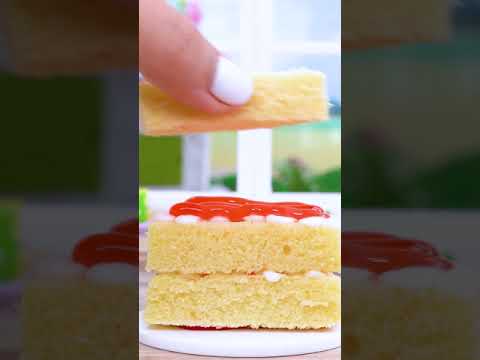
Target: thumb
(174, 56)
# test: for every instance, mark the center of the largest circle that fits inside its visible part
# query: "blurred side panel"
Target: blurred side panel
(69, 180)
(410, 148)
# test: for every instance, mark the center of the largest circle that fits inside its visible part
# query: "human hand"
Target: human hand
(174, 56)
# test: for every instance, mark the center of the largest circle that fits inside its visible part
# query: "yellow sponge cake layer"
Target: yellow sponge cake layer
(242, 247)
(417, 323)
(279, 99)
(85, 320)
(235, 300)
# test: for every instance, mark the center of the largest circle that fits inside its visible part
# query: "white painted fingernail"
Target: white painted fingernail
(230, 84)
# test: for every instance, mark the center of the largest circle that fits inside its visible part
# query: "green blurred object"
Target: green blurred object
(371, 181)
(331, 181)
(380, 175)
(375, 183)
(448, 255)
(452, 185)
(142, 205)
(228, 181)
(180, 5)
(293, 176)
(62, 152)
(160, 161)
(8, 244)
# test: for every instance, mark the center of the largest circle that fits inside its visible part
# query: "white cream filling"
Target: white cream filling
(274, 219)
(187, 219)
(423, 278)
(164, 217)
(254, 218)
(280, 219)
(58, 270)
(318, 221)
(454, 281)
(219, 219)
(272, 276)
(313, 274)
(112, 273)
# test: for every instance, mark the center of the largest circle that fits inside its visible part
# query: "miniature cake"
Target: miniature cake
(404, 300)
(376, 23)
(282, 98)
(224, 262)
(87, 303)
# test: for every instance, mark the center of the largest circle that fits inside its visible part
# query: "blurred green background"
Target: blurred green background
(306, 158)
(62, 141)
(404, 144)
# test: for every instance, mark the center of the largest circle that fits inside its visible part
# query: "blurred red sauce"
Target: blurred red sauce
(379, 253)
(118, 245)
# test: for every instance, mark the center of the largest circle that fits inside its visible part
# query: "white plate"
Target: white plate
(239, 343)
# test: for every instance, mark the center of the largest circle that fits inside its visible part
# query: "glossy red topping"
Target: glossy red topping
(127, 227)
(119, 245)
(236, 209)
(379, 253)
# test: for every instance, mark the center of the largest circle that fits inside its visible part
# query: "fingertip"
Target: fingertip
(230, 84)
(205, 102)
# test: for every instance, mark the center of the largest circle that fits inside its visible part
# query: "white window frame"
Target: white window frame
(254, 147)
(258, 47)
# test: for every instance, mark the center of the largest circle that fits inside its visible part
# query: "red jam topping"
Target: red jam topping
(379, 253)
(118, 245)
(236, 209)
(127, 227)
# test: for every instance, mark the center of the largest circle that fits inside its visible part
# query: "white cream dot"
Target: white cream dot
(187, 219)
(254, 218)
(272, 276)
(314, 274)
(164, 217)
(113, 273)
(280, 219)
(219, 219)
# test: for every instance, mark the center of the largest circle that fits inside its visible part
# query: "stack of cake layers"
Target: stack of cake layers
(264, 272)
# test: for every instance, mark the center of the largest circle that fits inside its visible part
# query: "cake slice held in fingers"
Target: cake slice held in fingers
(282, 98)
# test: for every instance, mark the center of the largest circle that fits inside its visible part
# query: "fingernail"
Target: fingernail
(231, 85)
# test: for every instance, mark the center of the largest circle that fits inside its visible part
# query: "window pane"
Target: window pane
(223, 160)
(220, 22)
(307, 20)
(307, 157)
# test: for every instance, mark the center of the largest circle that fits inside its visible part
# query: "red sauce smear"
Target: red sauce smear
(379, 253)
(127, 227)
(236, 209)
(118, 245)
